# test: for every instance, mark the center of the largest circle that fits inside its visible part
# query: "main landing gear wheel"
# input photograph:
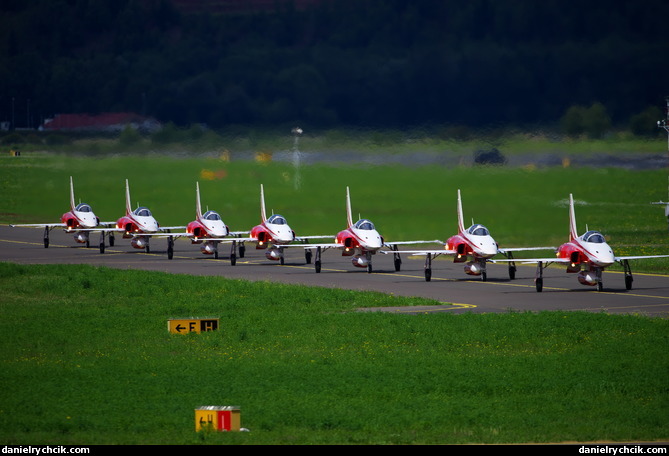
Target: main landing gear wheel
(170, 248)
(628, 275)
(539, 279)
(397, 258)
(307, 255)
(428, 267)
(600, 284)
(233, 253)
(317, 261)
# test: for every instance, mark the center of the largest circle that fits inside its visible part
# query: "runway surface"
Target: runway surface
(456, 291)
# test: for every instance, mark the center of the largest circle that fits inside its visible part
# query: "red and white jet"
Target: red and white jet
(272, 234)
(207, 230)
(138, 225)
(360, 240)
(80, 220)
(587, 255)
(475, 244)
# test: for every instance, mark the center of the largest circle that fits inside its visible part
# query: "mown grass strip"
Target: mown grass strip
(86, 358)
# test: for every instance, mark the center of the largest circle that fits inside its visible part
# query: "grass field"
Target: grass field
(87, 359)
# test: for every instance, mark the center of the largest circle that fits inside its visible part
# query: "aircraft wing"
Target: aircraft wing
(314, 246)
(522, 249)
(420, 252)
(433, 241)
(38, 225)
(101, 227)
(306, 238)
(639, 257)
(163, 228)
(533, 260)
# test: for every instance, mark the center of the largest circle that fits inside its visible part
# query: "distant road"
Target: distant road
(449, 285)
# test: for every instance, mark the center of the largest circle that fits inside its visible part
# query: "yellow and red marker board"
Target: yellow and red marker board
(217, 418)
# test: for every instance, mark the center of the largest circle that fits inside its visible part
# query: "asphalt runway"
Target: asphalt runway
(457, 291)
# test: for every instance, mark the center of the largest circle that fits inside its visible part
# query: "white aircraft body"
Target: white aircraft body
(80, 220)
(474, 244)
(586, 255)
(138, 225)
(360, 240)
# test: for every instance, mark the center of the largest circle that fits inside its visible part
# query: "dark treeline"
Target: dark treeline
(386, 63)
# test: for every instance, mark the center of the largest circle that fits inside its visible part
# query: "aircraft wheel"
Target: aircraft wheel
(233, 259)
(307, 256)
(428, 275)
(88, 244)
(102, 247)
(216, 254)
(282, 260)
(600, 286)
(398, 264)
(369, 268)
(170, 253)
(46, 243)
(242, 251)
(111, 240)
(628, 282)
(148, 249)
(484, 276)
(512, 272)
(317, 265)
(540, 284)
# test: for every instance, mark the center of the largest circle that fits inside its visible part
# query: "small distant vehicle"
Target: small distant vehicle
(80, 220)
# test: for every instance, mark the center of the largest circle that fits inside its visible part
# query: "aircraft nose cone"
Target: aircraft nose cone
(89, 221)
(374, 241)
(151, 225)
(488, 249)
(285, 234)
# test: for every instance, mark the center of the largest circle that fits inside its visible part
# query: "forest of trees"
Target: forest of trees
(384, 63)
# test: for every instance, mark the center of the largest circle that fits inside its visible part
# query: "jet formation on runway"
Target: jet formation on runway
(587, 255)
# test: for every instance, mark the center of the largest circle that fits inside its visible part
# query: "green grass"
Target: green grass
(86, 358)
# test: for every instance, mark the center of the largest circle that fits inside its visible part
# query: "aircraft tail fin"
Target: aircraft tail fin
(461, 223)
(573, 233)
(198, 206)
(72, 202)
(349, 218)
(263, 214)
(128, 206)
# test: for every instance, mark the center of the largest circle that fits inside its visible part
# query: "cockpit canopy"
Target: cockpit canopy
(83, 207)
(142, 212)
(277, 219)
(594, 236)
(211, 215)
(364, 225)
(478, 230)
